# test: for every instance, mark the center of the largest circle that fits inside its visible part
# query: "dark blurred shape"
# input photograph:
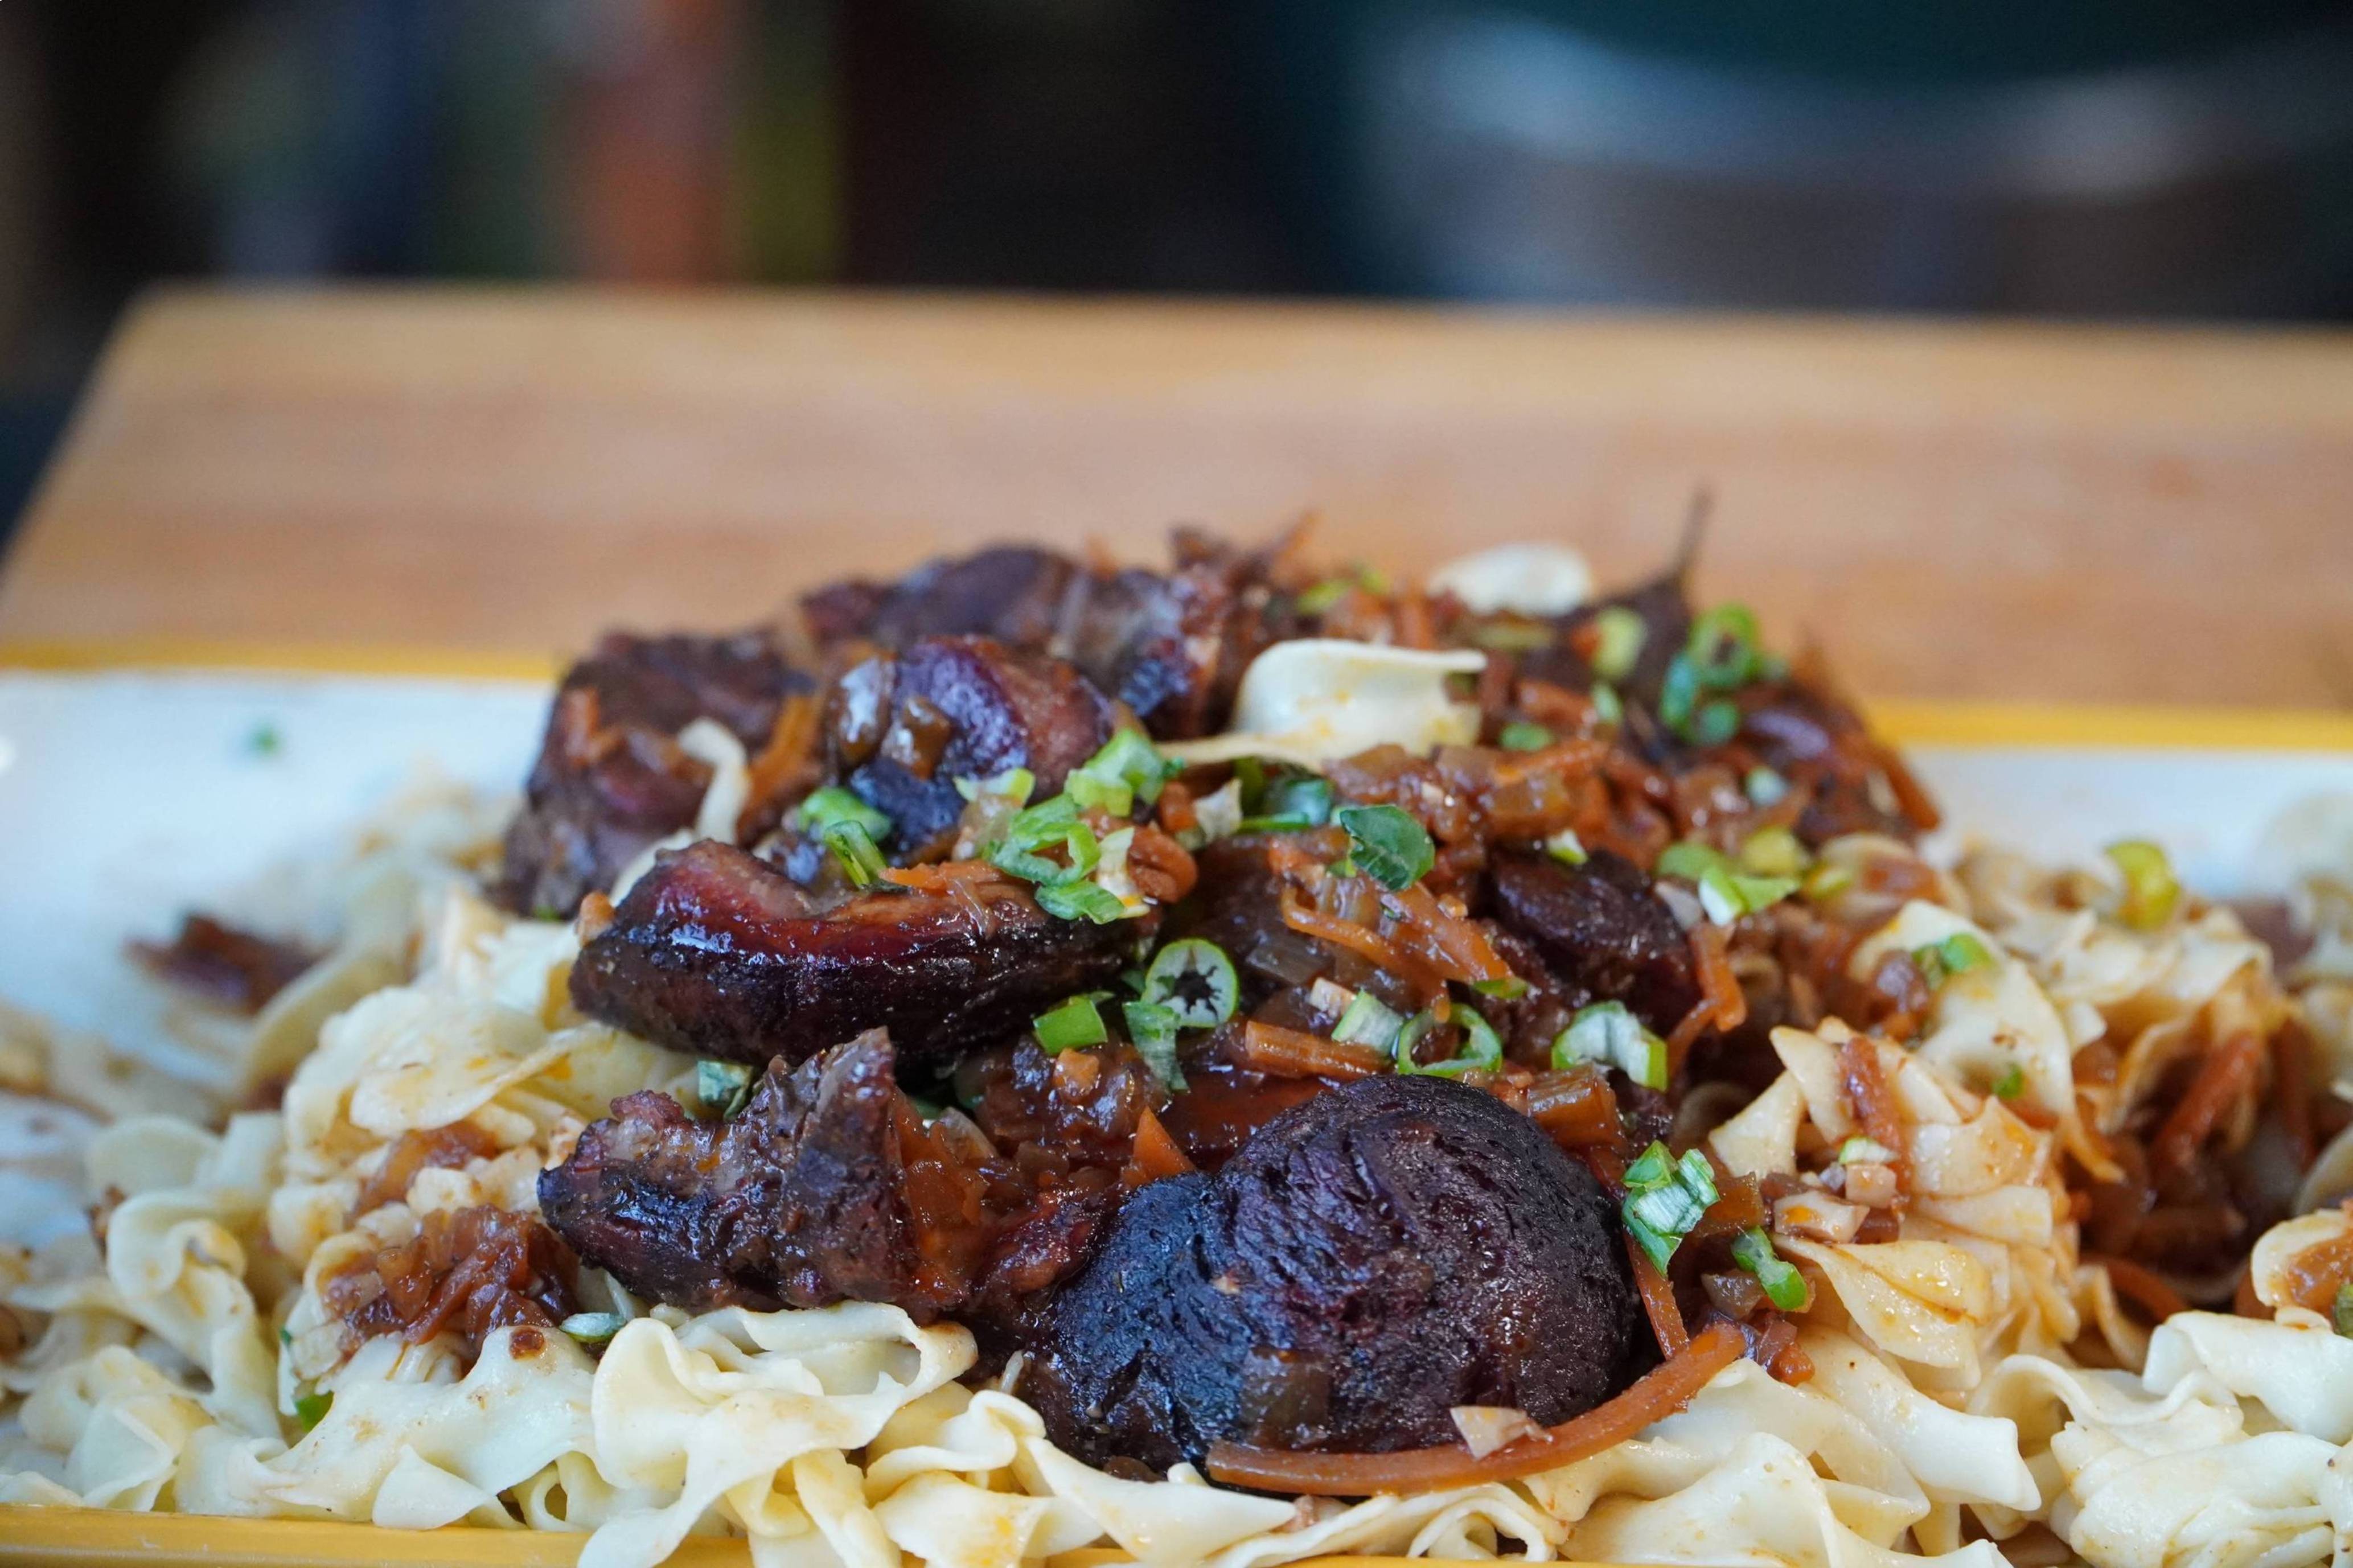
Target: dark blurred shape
(2095, 157)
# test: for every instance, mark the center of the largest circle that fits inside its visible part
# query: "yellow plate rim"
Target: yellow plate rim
(1914, 722)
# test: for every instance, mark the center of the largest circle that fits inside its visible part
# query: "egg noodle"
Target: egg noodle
(1976, 1380)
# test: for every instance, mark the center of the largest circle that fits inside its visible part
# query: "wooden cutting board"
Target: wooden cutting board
(1955, 510)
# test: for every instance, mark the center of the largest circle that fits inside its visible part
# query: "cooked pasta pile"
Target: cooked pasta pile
(1981, 1380)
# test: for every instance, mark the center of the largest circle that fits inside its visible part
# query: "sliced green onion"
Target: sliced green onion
(1151, 1029)
(1715, 722)
(2010, 1084)
(861, 857)
(1679, 694)
(1220, 812)
(1607, 706)
(1196, 980)
(1607, 1033)
(1481, 1049)
(1316, 600)
(1860, 1151)
(1826, 883)
(1291, 803)
(834, 804)
(1619, 635)
(1081, 901)
(1368, 1021)
(1049, 824)
(1784, 1286)
(1723, 648)
(1653, 1167)
(1512, 636)
(1765, 787)
(1665, 1198)
(1773, 852)
(1521, 736)
(1127, 769)
(2151, 889)
(1391, 847)
(1511, 987)
(265, 741)
(1725, 892)
(1690, 861)
(724, 1087)
(1014, 784)
(312, 1408)
(1956, 955)
(1564, 847)
(2340, 1311)
(1071, 1025)
(593, 1328)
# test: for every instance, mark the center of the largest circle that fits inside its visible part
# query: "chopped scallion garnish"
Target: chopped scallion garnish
(1081, 901)
(1784, 1286)
(593, 1328)
(1773, 852)
(2151, 889)
(1607, 708)
(1128, 769)
(861, 857)
(1151, 1029)
(1481, 1049)
(833, 804)
(1072, 1026)
(1014, 784)
(1368, 1022)
(1725, 892)
(724, 1087)
(312, 1408)
(1291, 802)
(1619, 635)
(1665, 1198)
(1607, 1033)
(1509, 988)
(1387, 844)
(2340, 1311)
(2010, 1084)
(1564, 847)
(1194, 980)
(1521, 736)
(1956, 955)
(1860, 1151)
(1764, 786)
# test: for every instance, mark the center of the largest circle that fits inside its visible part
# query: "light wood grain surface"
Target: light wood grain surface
(1955, 510)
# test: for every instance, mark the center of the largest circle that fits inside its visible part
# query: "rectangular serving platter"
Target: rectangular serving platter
(137, 783)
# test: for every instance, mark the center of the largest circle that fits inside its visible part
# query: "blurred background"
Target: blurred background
(2106, 158)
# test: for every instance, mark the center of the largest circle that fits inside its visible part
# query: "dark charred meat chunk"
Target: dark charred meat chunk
(1368, 1260)
(905, 730)
(224, 965)
(1011, 592)
(830, 1186)
(1602, 932)
(467, 1272)
(794, 1201)
(610, 778)
(716, 952)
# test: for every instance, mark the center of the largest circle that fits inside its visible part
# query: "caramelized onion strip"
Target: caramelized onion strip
(1663, 1391)
(2222, 1079)
(2141, 1286)
(1658, 1302)
(1279, 1052)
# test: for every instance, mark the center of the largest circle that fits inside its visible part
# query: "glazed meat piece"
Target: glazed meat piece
(1012, 593)
(904, 729)
(223, 964)
(1368, 1260)
(1171, 645)
(1601, 931)
(610, 778)
(716, 952)
(830, 1186)
(795, 1201)
(465, 1272)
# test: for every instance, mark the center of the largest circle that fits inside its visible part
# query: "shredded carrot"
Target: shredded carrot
(940, 876)
(786, 762)
(1279, 1052)
(1791, 1365)
(1563, 759)
(1716, 981)
(1658, 1302)
(2222, 1079)
(1458, 950)
(1664, 1391)
(1687, 1032)
(1154, 1155)
(1910, 797)
(1384, 954)
(1576, 1107)
(2141, 1286)
(1873, 1097)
